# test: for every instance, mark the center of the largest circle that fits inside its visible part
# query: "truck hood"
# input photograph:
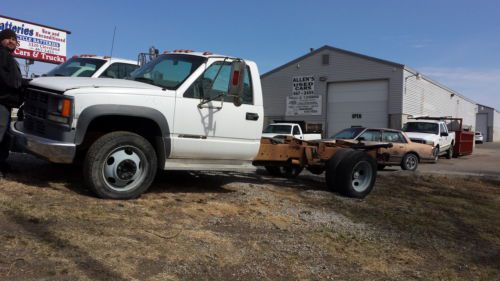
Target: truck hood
(423, 136)
(66, 83)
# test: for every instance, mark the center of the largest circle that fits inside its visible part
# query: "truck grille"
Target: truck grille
(36, 104)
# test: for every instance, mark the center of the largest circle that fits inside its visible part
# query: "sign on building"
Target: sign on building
(303, 100)
(37, 42)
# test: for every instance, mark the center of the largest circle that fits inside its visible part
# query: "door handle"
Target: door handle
(252, 116)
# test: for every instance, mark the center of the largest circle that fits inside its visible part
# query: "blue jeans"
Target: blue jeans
(4, 128)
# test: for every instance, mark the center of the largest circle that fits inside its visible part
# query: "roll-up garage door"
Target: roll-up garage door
(361, 103)
(482, 124)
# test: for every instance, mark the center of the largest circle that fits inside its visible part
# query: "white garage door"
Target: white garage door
(482, 124)
(357, 104)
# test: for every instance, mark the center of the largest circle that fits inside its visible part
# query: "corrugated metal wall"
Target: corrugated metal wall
(424, 97)
(418, 97)
(342, 67)
(496, 126)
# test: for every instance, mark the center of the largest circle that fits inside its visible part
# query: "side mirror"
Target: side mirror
(361, 139)
(444, 134)
(238, 68)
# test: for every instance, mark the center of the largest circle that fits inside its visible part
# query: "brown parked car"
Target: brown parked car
(403, 152)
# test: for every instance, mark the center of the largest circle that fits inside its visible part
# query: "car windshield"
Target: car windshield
(278, 129)
(168, 71)
(77, 67)
(348, 134)
(421, 127)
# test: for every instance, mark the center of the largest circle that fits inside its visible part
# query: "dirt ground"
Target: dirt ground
(247, 226)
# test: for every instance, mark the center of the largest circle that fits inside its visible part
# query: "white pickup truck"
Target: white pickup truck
(95, 67)
(288, 129)
(432, 132)
(182, 111)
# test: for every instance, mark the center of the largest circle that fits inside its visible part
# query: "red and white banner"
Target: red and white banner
(37, 42)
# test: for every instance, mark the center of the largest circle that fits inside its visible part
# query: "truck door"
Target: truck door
(444, 141)
(217, 129)
(297, 132)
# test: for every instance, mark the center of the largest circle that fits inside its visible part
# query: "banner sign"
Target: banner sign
(37, 42)
(303, 100)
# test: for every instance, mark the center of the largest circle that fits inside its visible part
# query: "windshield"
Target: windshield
(278, 129)
(421, 127)
(168, 71)
(348, 134)
(77, 67)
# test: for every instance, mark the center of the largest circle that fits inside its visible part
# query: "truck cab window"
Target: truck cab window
(296, 130)
(118, 70)
(443, 128)
(77, 67)
(220, 84)
(168, 71)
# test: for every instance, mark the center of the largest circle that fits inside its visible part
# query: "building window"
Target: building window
(325, 59)
(314, 128)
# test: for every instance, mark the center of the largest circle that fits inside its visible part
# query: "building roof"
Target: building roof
(326, 47)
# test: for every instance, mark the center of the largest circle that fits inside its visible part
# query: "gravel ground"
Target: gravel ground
(247, 226)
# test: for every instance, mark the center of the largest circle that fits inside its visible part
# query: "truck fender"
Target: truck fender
(95, 111)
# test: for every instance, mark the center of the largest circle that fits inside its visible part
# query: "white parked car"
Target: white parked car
(478, 137)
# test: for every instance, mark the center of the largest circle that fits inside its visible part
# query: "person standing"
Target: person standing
(10, 91)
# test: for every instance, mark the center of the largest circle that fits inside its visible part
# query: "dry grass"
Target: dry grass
(222, 226)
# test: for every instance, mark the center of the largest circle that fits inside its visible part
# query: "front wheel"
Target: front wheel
(120, 165)
(436, 154)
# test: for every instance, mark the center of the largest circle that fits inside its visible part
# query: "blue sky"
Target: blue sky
(454, 42)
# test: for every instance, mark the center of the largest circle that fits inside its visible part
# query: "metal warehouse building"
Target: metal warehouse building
(332, 89)
(488, 123)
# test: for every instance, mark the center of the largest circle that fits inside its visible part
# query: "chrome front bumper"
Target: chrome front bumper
(53, 151)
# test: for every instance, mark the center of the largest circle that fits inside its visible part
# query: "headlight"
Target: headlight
(431, 142)
(62, 112)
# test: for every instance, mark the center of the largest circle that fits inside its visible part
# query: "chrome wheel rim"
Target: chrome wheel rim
(411, 162)
(361, 176)
(123, 169)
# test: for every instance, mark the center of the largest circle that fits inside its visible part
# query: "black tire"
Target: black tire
(436, 154)
(316, 170)
(291, 171)
(125, 178)
(356, 174)
(449, 152)
(284, 171)
(410, 162)
(380, 167)
(273, 170)
(331, 167)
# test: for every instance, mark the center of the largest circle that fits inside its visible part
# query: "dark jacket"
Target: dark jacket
(11, 81)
